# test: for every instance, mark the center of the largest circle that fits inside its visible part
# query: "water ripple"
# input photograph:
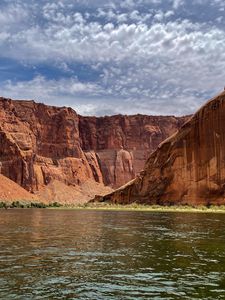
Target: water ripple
(47, 254)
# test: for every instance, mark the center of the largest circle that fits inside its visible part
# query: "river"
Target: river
(87, 254)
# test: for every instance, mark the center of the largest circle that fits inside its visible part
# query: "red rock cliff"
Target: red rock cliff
(187, 168)
(123, 143)
(40, 144)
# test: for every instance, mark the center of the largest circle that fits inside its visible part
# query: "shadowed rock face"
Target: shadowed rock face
(188, 167)
(40, 144)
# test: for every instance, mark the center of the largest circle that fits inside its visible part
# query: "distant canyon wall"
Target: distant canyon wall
(41, 143)
(122, 144)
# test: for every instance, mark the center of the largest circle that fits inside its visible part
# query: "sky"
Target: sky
(157, 57)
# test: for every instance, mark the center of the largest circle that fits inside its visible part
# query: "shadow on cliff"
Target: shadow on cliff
(187, 168)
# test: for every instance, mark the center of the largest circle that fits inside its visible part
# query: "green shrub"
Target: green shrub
(3, 205)
(38, 205)
(16, 204)
(55, 204)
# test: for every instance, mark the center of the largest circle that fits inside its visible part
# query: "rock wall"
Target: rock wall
(40, 144)
(187, 168)
(123, 143)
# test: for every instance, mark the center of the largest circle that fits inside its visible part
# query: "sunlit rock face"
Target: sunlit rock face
(123, 143)
(11, 191)
(188, 167)
(40, 144)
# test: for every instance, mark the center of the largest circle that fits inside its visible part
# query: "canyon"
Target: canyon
(188, 168)
(58, 155)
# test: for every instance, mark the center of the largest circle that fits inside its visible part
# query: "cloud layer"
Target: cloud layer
(108, 57)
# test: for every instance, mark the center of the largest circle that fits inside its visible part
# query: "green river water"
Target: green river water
(87, 254)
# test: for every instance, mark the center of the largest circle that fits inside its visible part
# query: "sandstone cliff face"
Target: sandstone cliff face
(40, 143)
(44, 146)
(123, 143)
(187, 168)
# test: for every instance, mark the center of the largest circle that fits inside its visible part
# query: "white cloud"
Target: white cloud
(41, 88)
(149, 58)
(177, 3)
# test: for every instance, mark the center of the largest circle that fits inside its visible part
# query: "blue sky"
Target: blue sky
(108, 57)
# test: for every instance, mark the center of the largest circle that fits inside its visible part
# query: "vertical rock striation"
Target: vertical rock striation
(123, 143)
(188, 167)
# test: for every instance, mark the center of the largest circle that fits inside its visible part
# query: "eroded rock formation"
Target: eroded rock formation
(188, 167)
(122, 144)
(41, 144)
